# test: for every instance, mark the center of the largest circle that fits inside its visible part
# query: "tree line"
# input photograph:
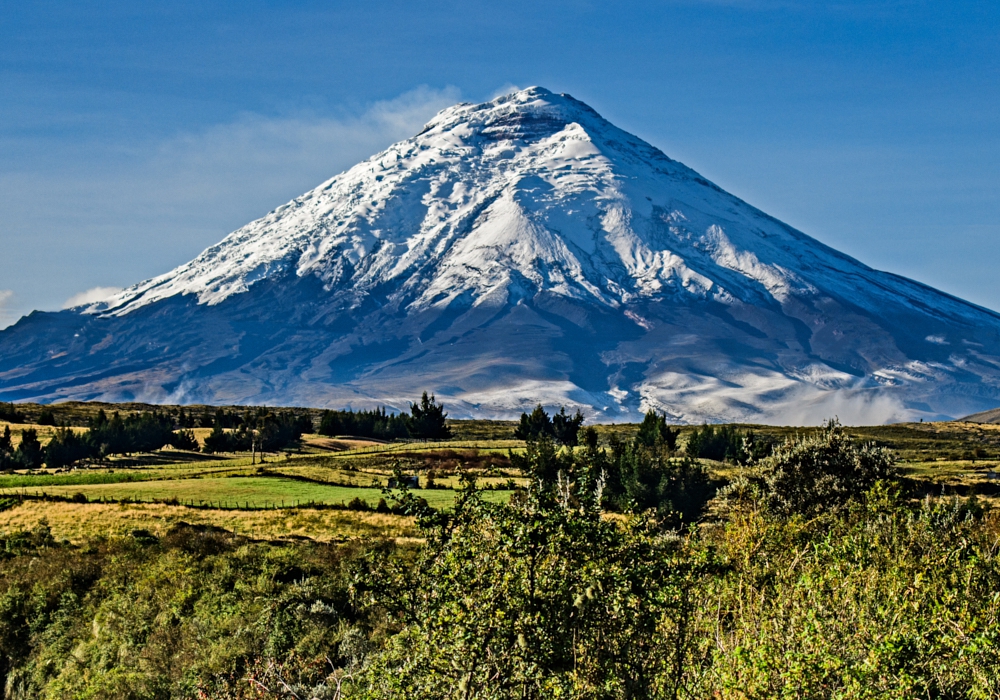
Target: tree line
(254, 429)
(107, 436)
(425, 421)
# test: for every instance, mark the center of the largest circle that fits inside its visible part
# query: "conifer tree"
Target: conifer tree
(535, 425)
(566, 429)
(427, 419)
(654, 428)
(29, 453)
(6, 451)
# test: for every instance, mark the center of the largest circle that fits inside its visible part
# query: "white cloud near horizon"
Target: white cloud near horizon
(91, 296)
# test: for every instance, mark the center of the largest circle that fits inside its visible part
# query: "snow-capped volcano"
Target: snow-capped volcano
(523, 250)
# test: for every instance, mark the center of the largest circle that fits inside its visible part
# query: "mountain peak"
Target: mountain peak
(523, 115)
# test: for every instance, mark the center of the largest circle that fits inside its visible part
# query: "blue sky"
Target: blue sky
(134, 135)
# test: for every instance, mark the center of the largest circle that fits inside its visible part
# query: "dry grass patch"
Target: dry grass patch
(78, 522)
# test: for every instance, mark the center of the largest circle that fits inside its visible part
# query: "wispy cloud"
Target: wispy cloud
(127, 213)
(7, 316)
(504, 89)
(285, 153)
(90, 296)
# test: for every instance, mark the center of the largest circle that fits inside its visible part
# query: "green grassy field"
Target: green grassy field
(247, 492)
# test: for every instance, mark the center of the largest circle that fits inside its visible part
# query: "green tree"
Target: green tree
(654, 430)
(534, 425)
(184, 439)
(66, 447)
(542, 463)
(565, 429)
(10, 414)
(29, 452)
(716, 443)
(218, 440)
(6, 450)
(562, 428)
(641, 478)
(427, 419)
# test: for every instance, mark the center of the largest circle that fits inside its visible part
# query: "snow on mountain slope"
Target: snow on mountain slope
(527, 182)
(526, 249)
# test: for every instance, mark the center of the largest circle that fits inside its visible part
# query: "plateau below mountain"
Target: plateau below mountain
(517, 251)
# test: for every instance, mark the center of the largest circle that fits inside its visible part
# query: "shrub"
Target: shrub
(807, 475)
(357, 503)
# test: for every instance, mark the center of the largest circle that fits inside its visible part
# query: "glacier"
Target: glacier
(518, 251)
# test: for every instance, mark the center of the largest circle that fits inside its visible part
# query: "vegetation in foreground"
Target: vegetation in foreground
(812, 574)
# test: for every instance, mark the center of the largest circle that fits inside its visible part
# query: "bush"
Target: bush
(358, 503)
(808, 475)
(532, 600)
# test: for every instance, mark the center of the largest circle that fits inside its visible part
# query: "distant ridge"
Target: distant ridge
(991, 416)
(517, 251)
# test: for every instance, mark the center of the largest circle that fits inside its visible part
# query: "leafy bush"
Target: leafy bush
(810, 474)
(188, 613)
(536, 599)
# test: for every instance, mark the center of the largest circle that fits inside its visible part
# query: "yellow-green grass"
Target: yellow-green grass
(117, 474)
(484, 446)
(78, 522)
(252, 492)
(954, 472)
(378, 478)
